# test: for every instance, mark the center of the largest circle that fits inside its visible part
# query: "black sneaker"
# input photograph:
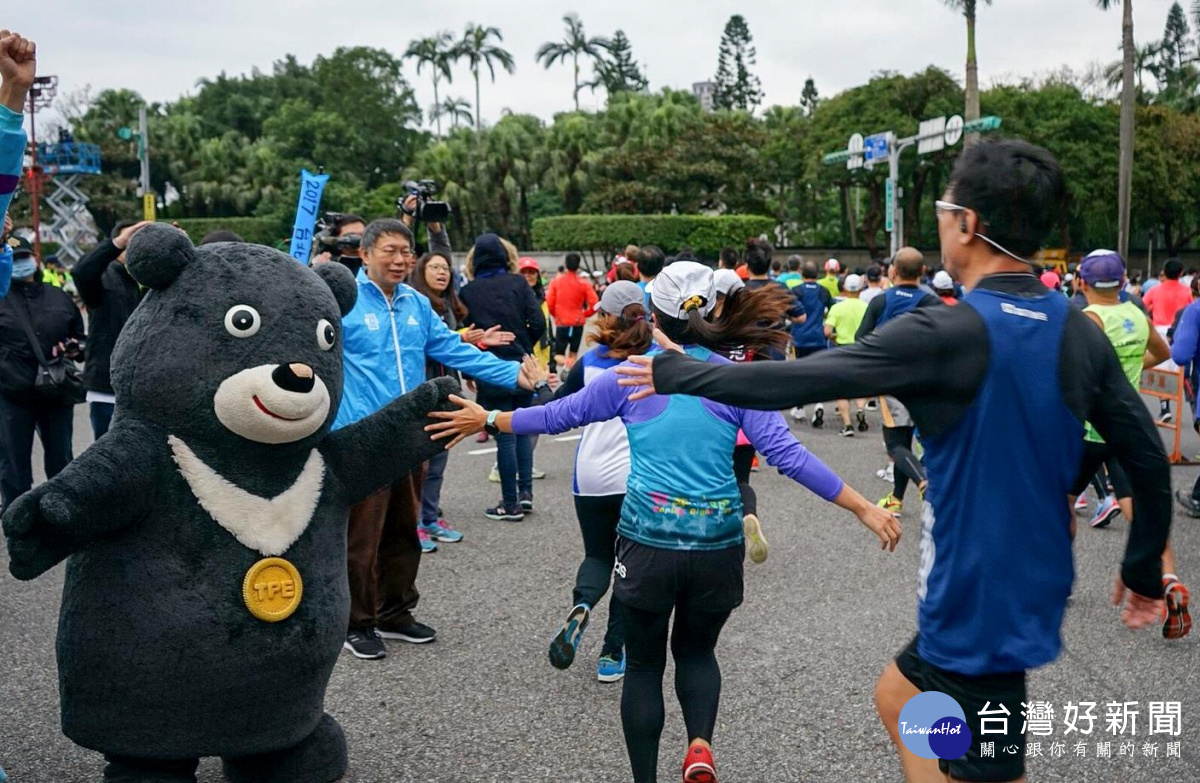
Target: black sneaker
(505, 514)
(526, 502)
(1191, 506)
(365, 644)
(862, 421)
(819, 418)
(873, 404)
(847, 432)
(415, 633)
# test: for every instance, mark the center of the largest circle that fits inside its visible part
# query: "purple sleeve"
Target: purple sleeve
(600, 400)
(770, 435)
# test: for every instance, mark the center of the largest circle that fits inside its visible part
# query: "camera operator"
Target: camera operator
(341, 240)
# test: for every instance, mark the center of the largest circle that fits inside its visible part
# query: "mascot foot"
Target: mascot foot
(319, 758)
(124, 769)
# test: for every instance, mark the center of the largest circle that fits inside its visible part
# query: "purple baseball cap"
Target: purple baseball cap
(1102, 269)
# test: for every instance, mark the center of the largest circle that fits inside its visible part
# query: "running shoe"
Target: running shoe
(1176, 620)
(427, 544)
(873, 404)
(798, 414)
(819, 418)
(611, 666)
(698, 765)
(413, 633)
(887, 474)
(441, 531)
(1106, 513)
(862, 420)
(754, 464)
(566, 641)
(756, 543)
(527, 502)
(538, 474)
(891, 503)
(1191, 506)
(499, 512)
(494, 476)
(1166, 417)
(365, 644)
(847, 432)
(481, 437)
(1081, 503)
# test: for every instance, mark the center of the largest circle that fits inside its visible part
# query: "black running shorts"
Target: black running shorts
(974, 694)
(657, 580)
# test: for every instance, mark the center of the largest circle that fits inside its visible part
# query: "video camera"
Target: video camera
(326, 239)
(427, 209)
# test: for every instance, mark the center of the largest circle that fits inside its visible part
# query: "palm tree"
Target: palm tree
(972, 108)
(476, 48)
(457, 109)
(1125, 174)
(575, 43)
(1145, 61)
(438, 52)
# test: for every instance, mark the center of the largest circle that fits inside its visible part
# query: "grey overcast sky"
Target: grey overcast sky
(161, 48)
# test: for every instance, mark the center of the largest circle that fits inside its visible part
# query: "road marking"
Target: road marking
(566, 438)
(492, 450)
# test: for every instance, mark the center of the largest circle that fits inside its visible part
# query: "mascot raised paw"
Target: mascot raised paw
(205, 599)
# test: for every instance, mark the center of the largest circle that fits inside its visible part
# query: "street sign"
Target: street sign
(855, 161)
(889, 209)
(982, 124)
(954, 130)
(932, 136)
(148, 207)
(875, 148)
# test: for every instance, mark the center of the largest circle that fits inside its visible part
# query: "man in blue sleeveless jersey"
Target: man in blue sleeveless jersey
(999, 387)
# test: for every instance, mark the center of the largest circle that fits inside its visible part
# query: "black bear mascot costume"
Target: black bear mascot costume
(205, 598)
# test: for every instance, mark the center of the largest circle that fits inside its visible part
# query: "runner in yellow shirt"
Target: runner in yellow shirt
(841, 326)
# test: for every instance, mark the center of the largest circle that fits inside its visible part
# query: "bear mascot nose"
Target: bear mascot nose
(294, 377)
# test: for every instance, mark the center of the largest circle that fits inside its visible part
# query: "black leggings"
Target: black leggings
(598, 517)
(697, 680)
(743, 461)
(564, 337)
(898, 442)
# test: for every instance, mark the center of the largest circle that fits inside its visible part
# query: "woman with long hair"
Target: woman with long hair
(680, 543)
(434, 278)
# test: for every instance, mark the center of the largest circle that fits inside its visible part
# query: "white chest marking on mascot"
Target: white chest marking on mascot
(268, 526)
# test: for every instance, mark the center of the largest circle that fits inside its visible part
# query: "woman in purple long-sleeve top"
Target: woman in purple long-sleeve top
(680, 546)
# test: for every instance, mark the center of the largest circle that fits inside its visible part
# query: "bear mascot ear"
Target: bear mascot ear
(341, 281)
(157, 255)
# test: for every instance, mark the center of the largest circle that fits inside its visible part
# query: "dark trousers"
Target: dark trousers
(565, 336)
(898, 442)
(384, 554)
(598, 517)
(431, 489)
(514, 453)
(18, 422)
(697, 680)
(101, 414)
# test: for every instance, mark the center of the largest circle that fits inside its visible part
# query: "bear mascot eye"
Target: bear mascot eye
(242, 321)
(325, 334)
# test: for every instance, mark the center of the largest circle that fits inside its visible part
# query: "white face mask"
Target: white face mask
(24, 267)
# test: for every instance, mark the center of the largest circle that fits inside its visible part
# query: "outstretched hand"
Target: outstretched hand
(883, 524)
(1137, 611)
(459, 424)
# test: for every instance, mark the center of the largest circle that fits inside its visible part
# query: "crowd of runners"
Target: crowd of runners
(1008, 399)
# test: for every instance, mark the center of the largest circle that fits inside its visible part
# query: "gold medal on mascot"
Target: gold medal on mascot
(272, 589)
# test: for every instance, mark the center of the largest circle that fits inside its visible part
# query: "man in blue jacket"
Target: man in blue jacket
(385, 340)
(18, 64)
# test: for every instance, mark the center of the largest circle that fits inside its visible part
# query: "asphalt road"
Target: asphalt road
(799, 659)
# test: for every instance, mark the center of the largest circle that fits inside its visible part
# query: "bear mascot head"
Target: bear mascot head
(205, 597)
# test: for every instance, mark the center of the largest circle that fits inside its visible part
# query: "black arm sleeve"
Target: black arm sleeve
(573, 383)
(874, 310)
(90, 269)
(439, 242)
(1117, 412)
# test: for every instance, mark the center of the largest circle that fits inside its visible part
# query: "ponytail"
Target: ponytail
(629, 334)
(749, 320)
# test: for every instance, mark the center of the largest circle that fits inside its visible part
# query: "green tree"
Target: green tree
(574, 44)
(971, 110)
(809, 97)
(457, 109)
(477, 49)
(618, 72)
(439, 52)
(736, 86)
(1125, 170)
(1176, 40)
(1167, 180)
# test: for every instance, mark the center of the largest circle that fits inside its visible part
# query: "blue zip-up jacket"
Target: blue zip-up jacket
(12, 155)
(384, 346)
